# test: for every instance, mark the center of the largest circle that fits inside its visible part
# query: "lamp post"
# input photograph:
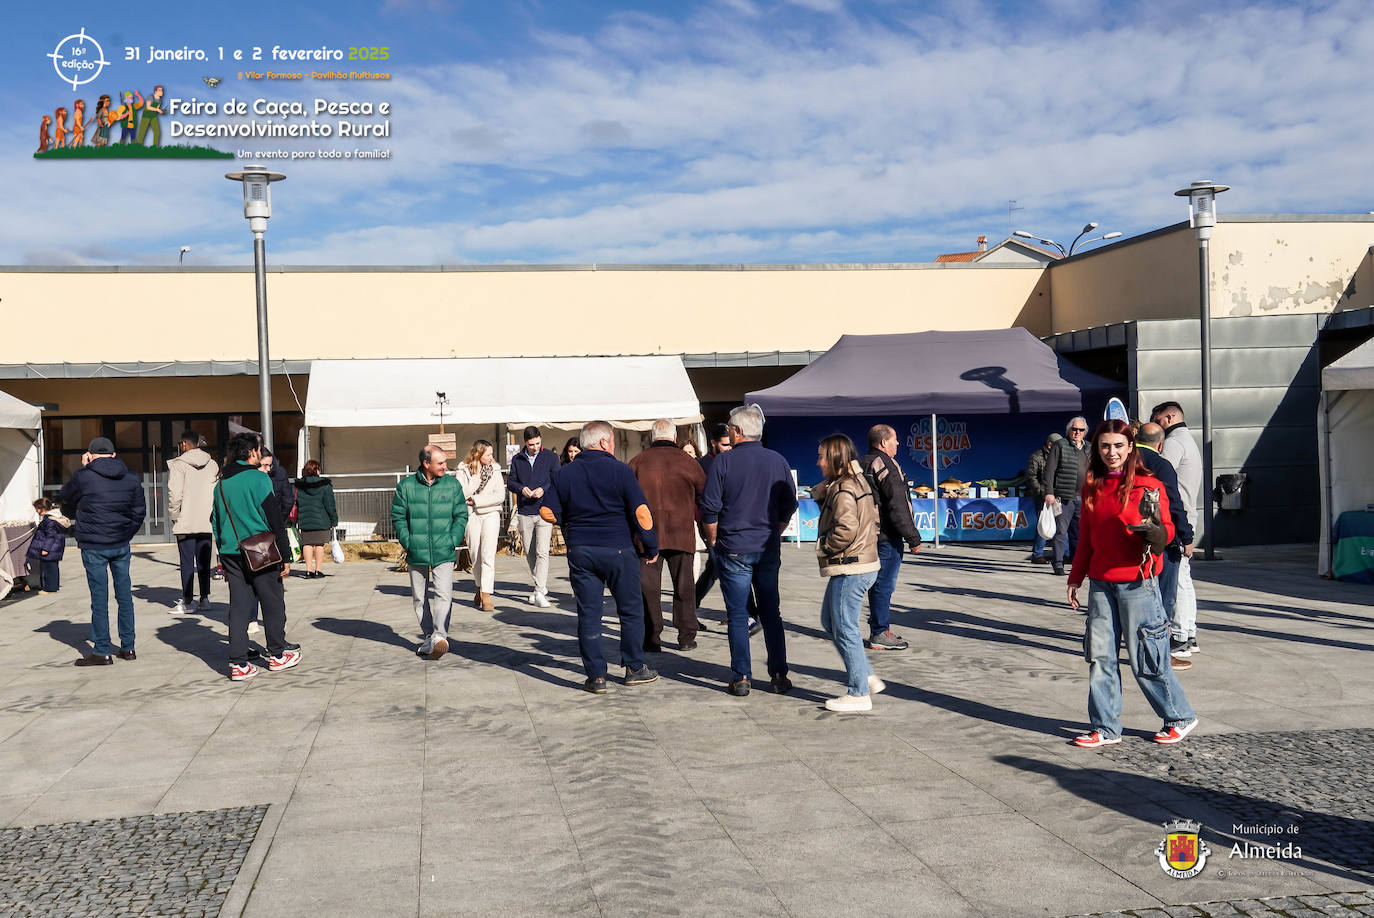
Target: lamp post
(1025, 235)
(1073, 246)
(1203, 213)
(257, 207)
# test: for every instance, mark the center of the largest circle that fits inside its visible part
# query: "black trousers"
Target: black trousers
(709, 575)
(246, 589)
(194, 549)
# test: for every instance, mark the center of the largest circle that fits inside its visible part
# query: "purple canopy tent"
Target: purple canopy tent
(997, 371)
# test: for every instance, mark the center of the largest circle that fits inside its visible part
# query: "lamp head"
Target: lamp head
(1202, 208)
(257, 196)
(1023, 234)
(1090, 227)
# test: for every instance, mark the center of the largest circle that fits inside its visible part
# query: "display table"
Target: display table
(1353, 557)
(963, 519)
(14, 546)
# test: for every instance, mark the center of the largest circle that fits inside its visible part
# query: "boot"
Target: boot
(477, 600)
(486, 604)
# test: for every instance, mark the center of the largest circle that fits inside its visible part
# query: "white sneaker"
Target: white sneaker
(181, 608)
(540, 600)
(849, 704)
(875, 685)
(254, 627)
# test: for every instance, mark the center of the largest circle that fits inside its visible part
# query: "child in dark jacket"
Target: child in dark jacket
(48, 545)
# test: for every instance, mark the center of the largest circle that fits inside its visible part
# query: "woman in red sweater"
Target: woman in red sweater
(1124, 601)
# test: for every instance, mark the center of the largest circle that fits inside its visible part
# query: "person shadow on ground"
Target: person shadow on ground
(190, 635)
(75, 635)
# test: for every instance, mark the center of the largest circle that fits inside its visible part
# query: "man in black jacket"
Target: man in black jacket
(108, 503)
(1065, 470)
(896, 525)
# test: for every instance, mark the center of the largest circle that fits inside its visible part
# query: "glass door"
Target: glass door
(140, 444)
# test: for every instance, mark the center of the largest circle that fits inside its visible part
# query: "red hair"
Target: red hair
(311, 467)
(1097, 469)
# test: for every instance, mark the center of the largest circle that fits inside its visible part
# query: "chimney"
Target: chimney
(982, 243)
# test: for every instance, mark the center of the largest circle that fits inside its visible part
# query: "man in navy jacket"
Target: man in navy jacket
(531, 475)
(749, 499)
(107, 502)
(601, 507)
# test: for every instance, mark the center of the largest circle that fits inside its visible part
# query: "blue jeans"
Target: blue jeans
(1130, 611)
(1168, 586)
(116, 560)
(51, 575)
(592, 570)
(883, 585)
(738, 572)
(844, 598)
(1038, 546)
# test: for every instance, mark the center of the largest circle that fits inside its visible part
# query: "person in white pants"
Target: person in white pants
(1183, 453)
(485, 488)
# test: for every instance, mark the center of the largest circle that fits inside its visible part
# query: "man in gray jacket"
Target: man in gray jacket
(1176, 584)
(1062, 481)
(191, 478)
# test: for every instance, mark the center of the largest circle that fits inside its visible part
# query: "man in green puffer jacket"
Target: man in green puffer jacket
(430, 515)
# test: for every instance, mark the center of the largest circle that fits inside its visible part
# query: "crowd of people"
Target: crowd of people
(1123, 498)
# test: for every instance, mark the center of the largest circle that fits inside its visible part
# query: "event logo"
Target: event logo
(950, 439)
(78, 58)
(1183, 853)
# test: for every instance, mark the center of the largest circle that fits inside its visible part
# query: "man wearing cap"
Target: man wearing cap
(107, 502)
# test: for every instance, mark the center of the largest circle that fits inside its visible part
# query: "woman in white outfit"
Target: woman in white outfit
(485, 490)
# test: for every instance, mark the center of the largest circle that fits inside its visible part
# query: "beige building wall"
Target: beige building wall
(124, 315)
(1258, 267)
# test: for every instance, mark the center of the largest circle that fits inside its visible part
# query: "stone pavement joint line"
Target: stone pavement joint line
(170, 864)
(1313, 784)
(1334, 905)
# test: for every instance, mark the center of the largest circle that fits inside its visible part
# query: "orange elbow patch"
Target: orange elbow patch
(644, 517)
(547, 516)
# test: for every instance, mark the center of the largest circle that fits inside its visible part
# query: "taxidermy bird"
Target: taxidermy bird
(1150, 526)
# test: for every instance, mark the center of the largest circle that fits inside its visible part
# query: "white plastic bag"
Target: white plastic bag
(1046, 525)
(336, 550)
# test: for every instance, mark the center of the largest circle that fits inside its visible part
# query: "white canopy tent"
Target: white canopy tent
(20, 473)
(487, 396)
(1345, 440)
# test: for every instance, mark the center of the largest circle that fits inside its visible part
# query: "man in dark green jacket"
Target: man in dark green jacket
(430, 515)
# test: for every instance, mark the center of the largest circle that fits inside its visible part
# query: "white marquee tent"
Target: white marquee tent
(20, 478)
(1345, 440)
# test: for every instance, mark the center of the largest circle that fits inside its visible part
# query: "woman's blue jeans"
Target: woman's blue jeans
(840, 610)
(1131, 612)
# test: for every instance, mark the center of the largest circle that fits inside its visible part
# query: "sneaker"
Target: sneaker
(849, 704)
(181, 608)
(203, 605)
(781, 685)
(1175, 734)
(876, 686)
(540, 600)
(239, 673)
(1059, 570)
(740, 687)
(218, 574)
(1192, 644)
(641, 676)
(288, 659)
(439, 648)
(1179, 650)
(1180, 663)
(886, 640)
(754, 627)
(596, 686)
(254, 627)
(1094, 739)
(256, 651)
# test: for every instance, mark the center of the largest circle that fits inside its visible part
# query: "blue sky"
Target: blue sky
(721, 131)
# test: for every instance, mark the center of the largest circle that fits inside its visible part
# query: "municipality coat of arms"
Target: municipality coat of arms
(1183, 853)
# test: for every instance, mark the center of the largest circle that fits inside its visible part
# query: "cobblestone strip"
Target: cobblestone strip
(1314, 784)
(1331, 905)
(170, 864)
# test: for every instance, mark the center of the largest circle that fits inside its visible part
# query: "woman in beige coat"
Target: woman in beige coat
(847, 549)
(485, 491)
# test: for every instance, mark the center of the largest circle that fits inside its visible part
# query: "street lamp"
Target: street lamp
(1025, 235)
(1203, 213)
(181, 256)
(257, 207)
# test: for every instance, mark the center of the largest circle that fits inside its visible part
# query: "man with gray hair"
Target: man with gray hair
(603, 513)
(1062, 481)
(430, 515)
(672, 483)
(750, 497)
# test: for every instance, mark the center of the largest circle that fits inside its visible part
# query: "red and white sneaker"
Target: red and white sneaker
(1170, 735)
(1094, 739)
(239, 673)
(288, 659)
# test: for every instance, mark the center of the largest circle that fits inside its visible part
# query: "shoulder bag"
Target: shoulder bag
(259, 551)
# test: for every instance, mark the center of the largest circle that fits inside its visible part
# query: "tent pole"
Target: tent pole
(935, 476)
